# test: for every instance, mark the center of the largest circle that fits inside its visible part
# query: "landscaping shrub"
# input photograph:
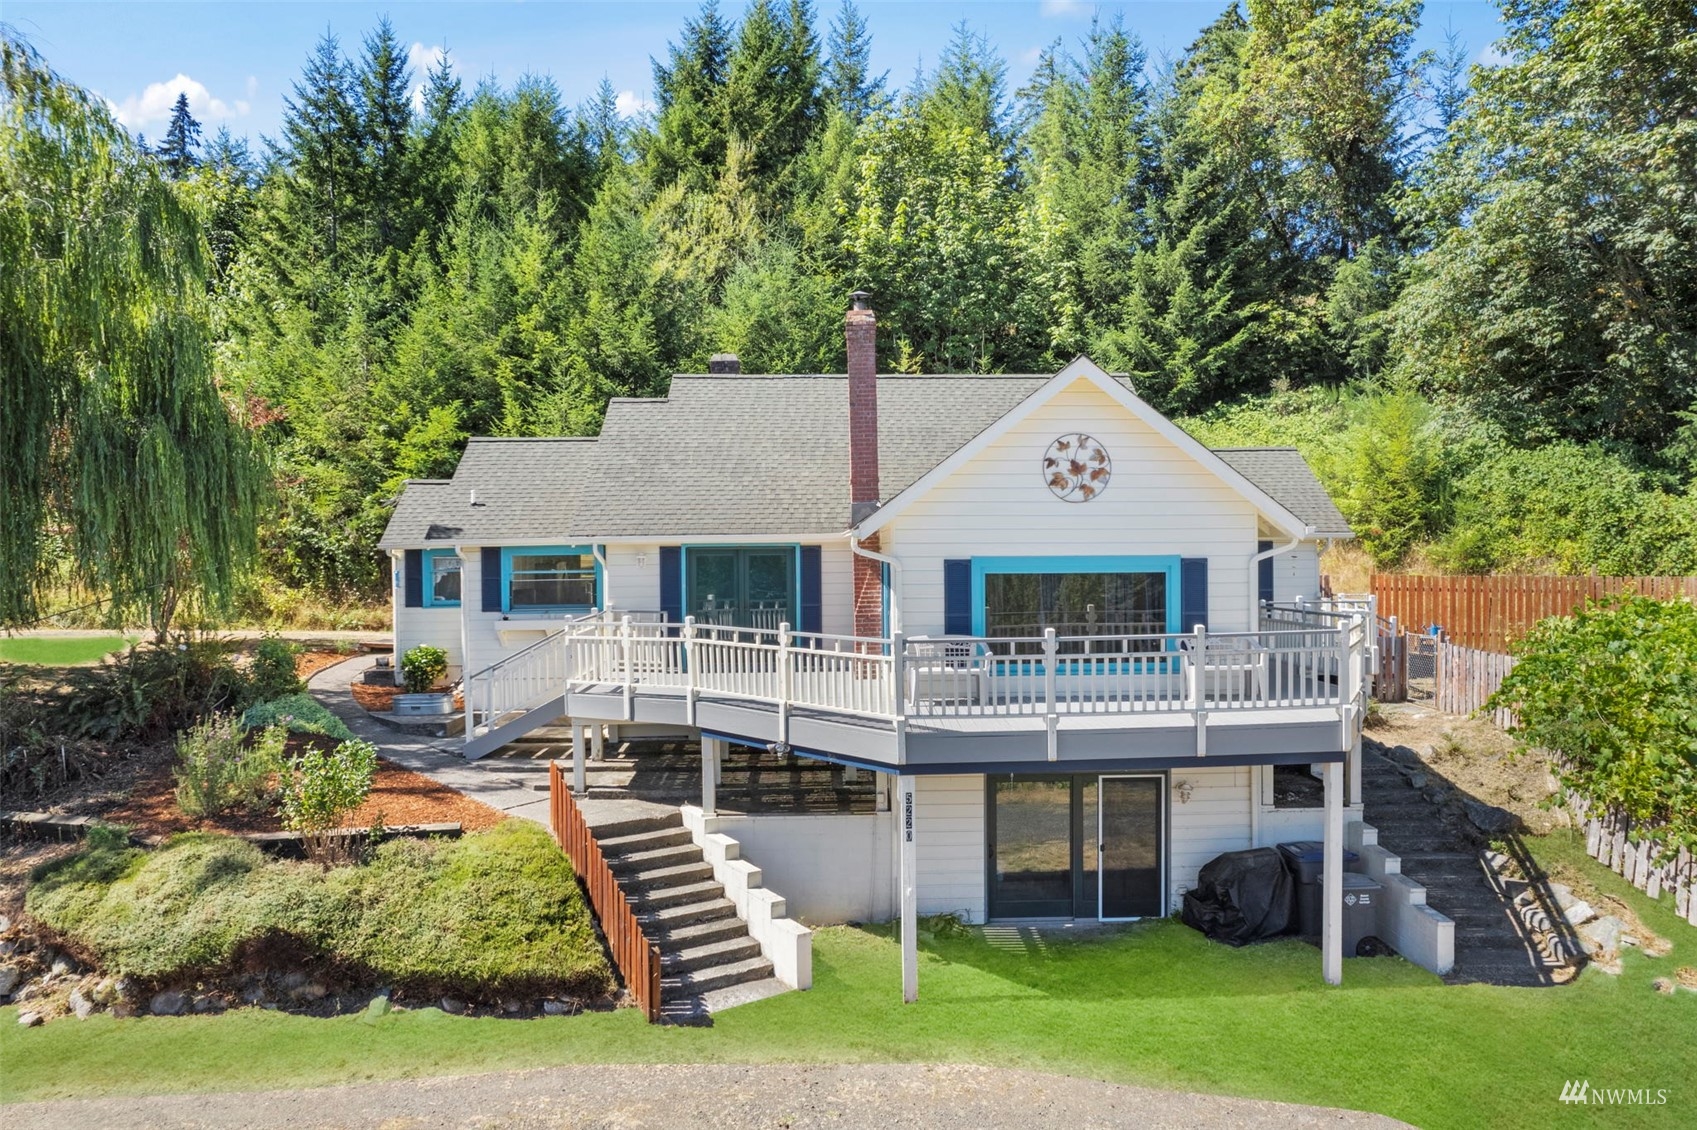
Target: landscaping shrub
(422, 667)
(1611, 690)
(273, 671)
(151, 691)
(494, 914)
(217, 770)
(320, 789)
(299, 714)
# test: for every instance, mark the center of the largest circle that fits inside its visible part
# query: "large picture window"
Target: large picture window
(1024, 605)
(548, 579)
(441, 578)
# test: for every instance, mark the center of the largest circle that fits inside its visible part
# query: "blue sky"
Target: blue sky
(237, 60)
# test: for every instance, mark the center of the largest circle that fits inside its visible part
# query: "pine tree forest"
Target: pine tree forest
(1468, 293)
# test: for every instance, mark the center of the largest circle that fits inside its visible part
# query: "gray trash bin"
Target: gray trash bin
(1306, 860)
(1362, 895)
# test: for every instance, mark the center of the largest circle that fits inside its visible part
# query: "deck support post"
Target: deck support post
(1331, 881)
(598, 742)
(909, 887)
(710, 752)
(580, 783)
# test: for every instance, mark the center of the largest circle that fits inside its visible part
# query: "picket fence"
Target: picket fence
(1467, 677)
(1609, 840)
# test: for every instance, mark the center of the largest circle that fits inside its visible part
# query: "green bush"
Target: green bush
(494, 914)
(1611, 691)
(320, 789)
(422, 667)
(217, 770)
(299, 714)
(150, 692)
(273, 670)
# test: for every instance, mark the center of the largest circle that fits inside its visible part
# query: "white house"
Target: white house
(1037, 609)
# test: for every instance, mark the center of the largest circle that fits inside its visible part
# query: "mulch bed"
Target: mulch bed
(398, 796)
(309, 663)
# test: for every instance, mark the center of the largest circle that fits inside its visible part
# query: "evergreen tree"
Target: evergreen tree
(849, 85)
(385, 113)
(691, 127)
(182, 138)
(431, 165)
(321, 154)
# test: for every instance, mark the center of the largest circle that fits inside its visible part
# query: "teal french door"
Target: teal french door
(742, 587)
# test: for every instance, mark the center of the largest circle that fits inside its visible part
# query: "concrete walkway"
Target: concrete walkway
(516, 787)
(729, 1096)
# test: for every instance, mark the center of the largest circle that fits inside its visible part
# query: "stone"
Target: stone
(31, 1020)
(1562, 894)
(1578, 912)
(105, 991)
(123, 1010)
(1488, 818)
(127, 988)
(10, 975)
(254, 993)
(561, 1008)
(63, 966)
(206, 1002)
(449, 1004)
(1602, 937)
(81, 1004)
(292, 981)
(1664, 986)
(512, 1005)
(1417, 780)
(27, 991)
(168, 1003)
(9, 946)
(5, 923)
(310, 991)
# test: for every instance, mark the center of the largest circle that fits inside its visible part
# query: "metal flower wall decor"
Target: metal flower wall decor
(1077, 468)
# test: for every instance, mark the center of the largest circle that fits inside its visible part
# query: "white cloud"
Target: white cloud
(423, 60)
(153, 105)
(1066, 8)
(629, 104)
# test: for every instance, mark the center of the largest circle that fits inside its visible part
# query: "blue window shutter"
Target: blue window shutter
(492, 578)
(957, 598)
(413, 581)
(812, 590)
(1192, 593)
(1266, 577)
(672, 582)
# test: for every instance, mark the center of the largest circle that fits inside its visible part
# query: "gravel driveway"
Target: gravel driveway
(726, 1096)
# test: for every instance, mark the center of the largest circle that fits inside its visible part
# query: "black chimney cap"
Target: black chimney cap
(862, 299)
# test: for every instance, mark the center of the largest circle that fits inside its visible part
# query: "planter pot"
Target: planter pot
(432, 703)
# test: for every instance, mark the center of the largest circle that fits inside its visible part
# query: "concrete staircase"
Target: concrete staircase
(707, 957)
(1441, 851)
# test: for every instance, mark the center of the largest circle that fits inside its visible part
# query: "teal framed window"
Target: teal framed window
(1019, 598)
(550, 578)
(442, 578)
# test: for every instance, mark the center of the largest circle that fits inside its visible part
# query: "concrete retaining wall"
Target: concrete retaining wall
(786, 943)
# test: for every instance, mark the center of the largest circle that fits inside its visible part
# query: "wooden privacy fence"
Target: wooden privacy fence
(1608, 840)
(638, 959)
(1490, 612)
(1466, 677)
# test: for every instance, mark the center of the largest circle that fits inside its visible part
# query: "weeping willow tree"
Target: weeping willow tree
(122, 469)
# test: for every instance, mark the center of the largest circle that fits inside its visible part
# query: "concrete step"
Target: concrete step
(618, 847)
(642, 883)
(716, 977)
(653, 855)
(668, 918)
(619, 829)
(662, 897)
(697, 959)
(700, 933)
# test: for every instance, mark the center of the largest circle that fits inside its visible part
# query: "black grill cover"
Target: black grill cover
(1241, 897)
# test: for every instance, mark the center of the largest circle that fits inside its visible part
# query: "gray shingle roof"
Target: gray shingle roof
(527, 493)
(744, 456)
(1285, 475)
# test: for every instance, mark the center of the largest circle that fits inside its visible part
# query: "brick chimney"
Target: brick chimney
(724, 363)
(860, 327)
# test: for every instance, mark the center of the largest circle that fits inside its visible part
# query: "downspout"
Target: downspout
(895, 579)
(465, 645)
(1255, 772)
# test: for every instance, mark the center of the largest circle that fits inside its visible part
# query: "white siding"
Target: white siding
(1159, 502)
(836, 569)
(1215, 819)
(1297, 573)
(413, 626)
(948, 821)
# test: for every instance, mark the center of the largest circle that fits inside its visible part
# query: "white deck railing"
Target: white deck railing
(957, 677)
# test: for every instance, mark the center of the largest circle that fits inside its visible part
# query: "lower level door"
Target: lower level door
(1130, 835)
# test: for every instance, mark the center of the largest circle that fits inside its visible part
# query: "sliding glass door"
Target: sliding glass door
(1076, 846)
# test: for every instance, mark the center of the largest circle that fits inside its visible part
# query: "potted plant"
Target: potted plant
(422, 668)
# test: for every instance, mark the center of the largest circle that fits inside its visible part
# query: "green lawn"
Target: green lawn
(1155, 1004)
(60, 651)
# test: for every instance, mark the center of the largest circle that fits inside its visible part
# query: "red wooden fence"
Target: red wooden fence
(1489, 613)
(638, 959)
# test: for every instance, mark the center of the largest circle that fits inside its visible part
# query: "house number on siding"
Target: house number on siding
(1077, 468)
